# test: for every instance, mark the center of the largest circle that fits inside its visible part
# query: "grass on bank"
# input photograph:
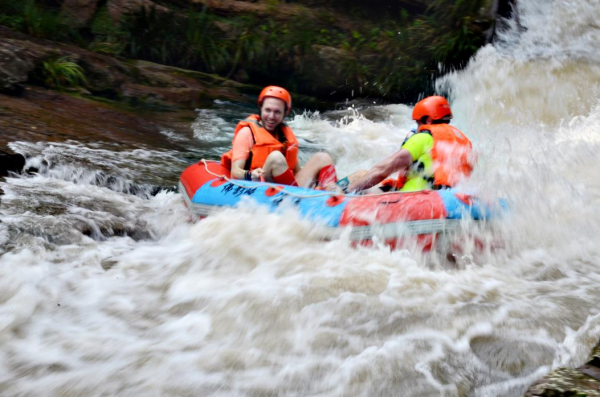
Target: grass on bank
(395, 57)
(62, 72)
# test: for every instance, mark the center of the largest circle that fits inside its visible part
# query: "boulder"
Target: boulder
(119, 8)
(321, 72)
(582, 381)
(20, 55)
(81, 11)
(10, 162)
(500, 11)
(17, 60)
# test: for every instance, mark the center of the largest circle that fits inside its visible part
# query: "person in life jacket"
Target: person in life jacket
(436, 156)
(264, 146)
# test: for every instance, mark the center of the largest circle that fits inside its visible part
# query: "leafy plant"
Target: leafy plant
(12, 21)
(45, 23)
(205, 47)
(188, 40)
(151, 35)
(252, 44)
(103, 28)
(106, 47)
(62, 72)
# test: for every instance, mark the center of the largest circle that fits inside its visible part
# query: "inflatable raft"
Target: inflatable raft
(206, 186)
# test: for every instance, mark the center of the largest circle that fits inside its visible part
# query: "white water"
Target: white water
(106, 293)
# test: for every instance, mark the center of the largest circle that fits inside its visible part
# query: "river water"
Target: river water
(108, 290)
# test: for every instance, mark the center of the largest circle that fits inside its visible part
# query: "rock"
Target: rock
(44, 115)
(565, 382)
(500, 11)
(162, 95)
(285, 11)
(118, 8)
(138, 81)
(16, 62)
(582, 381)
(224, 27)
(503, 8)
(321, 73)
(11, 163)
(241, 76)
(81, 11)
(21, 54)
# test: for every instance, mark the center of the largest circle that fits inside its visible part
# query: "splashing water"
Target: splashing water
(104, 292)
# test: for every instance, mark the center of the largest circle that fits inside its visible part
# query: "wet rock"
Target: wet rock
(81, 11)
(565, 382)
(10, 163)
(180, 87)
(500, 11)
(139, 99)
(582, 381)
(326, 58)
(17, 61)
(505, 8)
(145, 82)
(118, 8)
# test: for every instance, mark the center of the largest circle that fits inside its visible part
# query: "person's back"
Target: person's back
(436, 156)
(442, 157)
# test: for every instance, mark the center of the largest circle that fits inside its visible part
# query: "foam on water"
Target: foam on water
(356, 142)
(108, 293)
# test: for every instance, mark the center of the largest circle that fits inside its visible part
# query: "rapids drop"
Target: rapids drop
(107, 289)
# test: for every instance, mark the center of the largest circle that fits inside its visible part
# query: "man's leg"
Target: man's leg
(310, 172)
(277, 170)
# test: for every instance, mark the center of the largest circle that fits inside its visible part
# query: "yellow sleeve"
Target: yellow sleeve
(418, 145)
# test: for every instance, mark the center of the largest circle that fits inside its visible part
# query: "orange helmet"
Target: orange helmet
(276, 92)
(436, 107)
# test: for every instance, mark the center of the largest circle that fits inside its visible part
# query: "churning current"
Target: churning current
(106, 289)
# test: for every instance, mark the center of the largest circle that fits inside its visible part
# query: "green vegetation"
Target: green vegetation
(36, 20)
(62, 73)
(384, 55)
(106, 34)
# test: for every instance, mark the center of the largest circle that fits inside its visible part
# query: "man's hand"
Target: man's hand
(256, 173)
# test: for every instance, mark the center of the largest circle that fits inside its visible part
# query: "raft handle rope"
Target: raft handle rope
(282, 189)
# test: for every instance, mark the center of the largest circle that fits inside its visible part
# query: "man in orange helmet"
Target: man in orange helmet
(436, 156)
(265, 146)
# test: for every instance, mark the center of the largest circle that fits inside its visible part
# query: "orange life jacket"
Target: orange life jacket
(452, 155)
(264, 144)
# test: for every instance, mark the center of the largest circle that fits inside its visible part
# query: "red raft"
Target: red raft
(391, 217)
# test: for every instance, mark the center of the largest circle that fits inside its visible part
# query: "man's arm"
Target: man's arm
(242, 144)
(399, 161)
(237, 170)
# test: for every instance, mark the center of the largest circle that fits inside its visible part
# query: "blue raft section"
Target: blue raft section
(205, 189)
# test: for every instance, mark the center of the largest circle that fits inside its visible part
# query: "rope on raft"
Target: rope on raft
(282, 188)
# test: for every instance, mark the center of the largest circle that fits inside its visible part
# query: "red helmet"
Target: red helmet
(279, 93)
(436, 107)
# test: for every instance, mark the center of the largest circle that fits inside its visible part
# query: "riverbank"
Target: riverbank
(330, 50)
(63, 70)
(129, 102)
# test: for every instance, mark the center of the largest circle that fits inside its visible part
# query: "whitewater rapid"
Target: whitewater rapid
(106, 289)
